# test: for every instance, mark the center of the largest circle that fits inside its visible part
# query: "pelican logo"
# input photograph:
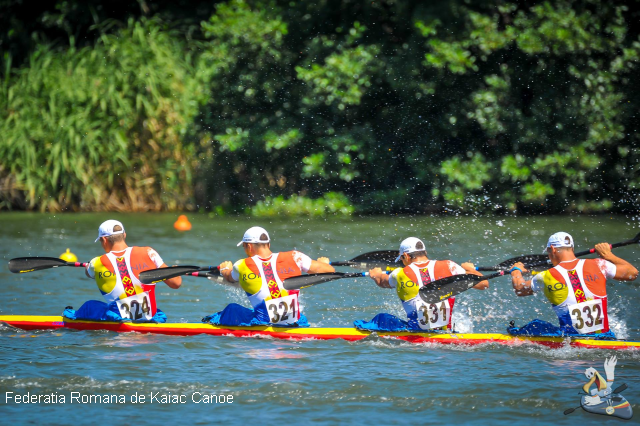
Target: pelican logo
(603, 398)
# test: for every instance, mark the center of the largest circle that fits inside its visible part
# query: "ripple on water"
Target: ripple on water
(375, 380)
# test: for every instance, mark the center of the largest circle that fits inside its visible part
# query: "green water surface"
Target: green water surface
(328, 382)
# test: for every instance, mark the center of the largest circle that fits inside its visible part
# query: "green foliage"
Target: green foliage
(100, 128)
(551, 100)
(400, 106)
(331, 203)
(464, 179)
(345, 75)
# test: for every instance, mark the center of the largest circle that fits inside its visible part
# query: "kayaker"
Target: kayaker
(261, 275)
(575, 287)
(418, 271)
(116, 274)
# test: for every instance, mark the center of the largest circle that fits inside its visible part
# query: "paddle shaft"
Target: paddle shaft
(634, 240)
(371, 259)
(152, 276)
(590, 251)
(203, 274)
(21, 265)
(302, 281)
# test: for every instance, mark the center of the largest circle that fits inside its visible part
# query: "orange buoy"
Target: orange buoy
(182, 224)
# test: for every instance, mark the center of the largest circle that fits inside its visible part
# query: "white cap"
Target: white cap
(410, 245)
(106, 229)
(559, 239)
(253, 236)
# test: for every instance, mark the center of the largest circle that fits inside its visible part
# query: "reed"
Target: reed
(101, 128)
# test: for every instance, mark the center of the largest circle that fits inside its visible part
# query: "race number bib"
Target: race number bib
(433, 315)
(587, 316)
(283, 310)
(136, 307)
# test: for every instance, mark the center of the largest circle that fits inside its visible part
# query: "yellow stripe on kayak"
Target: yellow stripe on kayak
(311, 332)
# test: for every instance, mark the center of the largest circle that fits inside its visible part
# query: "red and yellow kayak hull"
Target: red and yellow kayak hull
(30, 322)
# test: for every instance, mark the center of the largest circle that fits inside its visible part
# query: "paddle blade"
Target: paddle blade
(439, 290)
(569, 411)
(528, 260)
(21, 265)
(302, 281)
(385, 256)
(156, 275)
(384, 259)
(620, 388)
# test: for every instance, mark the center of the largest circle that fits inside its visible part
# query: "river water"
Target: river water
(277, 382)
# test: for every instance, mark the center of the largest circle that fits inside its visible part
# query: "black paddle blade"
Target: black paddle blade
(302, 281)
(621, 387)
(439, 290)
(569, 411)
(155, 275)
(375, 259)
(385, 256)
(528, 260)
(20, 265)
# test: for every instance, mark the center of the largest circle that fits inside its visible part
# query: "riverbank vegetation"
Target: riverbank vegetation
(277, 107)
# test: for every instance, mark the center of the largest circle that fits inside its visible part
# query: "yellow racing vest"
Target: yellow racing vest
(122, 283)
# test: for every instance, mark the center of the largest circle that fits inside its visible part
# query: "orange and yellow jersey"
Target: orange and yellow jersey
(408, 280)
(262, 279)
(116, 273)
(578, 293)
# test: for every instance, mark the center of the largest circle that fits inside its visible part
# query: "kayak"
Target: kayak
(615, 405)
(30, 322)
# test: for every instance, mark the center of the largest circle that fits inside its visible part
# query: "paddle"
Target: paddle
(156, 275)
(439, 290)
(533, 260)
(618, 399)
(634, 240)
(302, 281)
(373, 259)
(528, 260)
(21, 265)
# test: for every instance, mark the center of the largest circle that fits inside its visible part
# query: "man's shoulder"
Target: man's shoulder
(247, 262)
(395, 272)
(141, 249)
(101, 262)
(103, 258)
(292, 253)
(444, 267)
(446, 262)
(599, 263)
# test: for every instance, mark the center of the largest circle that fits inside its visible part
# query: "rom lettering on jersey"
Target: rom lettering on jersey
(136, 307)
(588, 316)
(433, 315)
(283, 310)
